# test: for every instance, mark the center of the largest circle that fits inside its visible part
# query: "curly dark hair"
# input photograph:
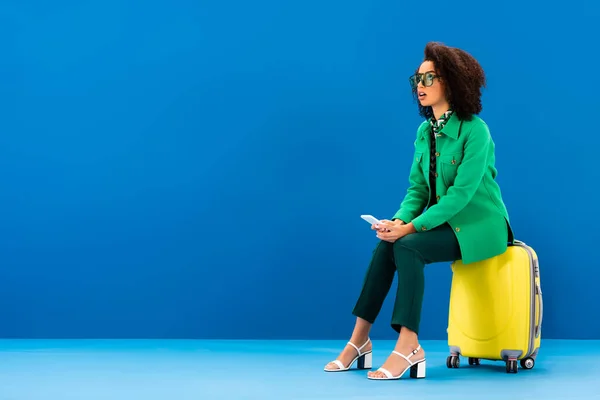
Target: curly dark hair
(463, 78)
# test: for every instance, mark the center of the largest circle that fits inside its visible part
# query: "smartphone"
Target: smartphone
(371, 219)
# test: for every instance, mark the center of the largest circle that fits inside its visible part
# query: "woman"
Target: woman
(453, 209)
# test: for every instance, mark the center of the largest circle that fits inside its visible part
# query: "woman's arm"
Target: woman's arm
(417, 194)
(468, 178)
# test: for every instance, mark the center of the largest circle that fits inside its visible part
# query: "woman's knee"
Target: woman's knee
(407, 247)
(409, 242)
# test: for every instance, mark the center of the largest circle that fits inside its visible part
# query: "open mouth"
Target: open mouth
(422, 95)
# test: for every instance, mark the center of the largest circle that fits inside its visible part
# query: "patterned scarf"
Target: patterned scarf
(437, 125)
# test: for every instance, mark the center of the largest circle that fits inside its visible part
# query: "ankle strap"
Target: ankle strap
(415, 351)
(412, 353)
(359, 350)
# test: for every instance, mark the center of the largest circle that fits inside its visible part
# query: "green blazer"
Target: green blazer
(469, 198)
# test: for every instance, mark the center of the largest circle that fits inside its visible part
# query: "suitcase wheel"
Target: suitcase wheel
(453, 362)
(527, 363)
(474, 361)
(511, 367)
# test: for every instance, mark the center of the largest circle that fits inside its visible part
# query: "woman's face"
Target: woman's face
(430, 90)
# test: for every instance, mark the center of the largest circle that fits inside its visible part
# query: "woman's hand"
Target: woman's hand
(382, 228)
(390, 231)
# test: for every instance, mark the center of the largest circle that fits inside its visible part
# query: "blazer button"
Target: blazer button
(423, 229)
(457, 229)
(437, 154)
(437, 197)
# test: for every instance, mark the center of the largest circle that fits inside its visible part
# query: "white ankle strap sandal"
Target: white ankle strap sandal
(364, 360)
(417, 368)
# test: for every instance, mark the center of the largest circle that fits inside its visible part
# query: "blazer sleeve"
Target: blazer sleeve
(468, 178)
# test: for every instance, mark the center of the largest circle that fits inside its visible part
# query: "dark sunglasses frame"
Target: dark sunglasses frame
(427, 78)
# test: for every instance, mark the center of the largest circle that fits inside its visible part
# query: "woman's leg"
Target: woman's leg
(377, 283)
(411, 254)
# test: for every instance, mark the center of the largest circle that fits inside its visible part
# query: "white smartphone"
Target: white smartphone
(371, 219)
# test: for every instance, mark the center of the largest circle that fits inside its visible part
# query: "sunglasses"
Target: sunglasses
(427, 79)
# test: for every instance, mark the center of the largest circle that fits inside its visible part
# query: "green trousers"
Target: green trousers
(407, 257)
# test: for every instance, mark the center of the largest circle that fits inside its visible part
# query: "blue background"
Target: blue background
(198, 169)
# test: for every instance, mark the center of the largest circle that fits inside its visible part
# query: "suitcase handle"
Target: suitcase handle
(538, 328)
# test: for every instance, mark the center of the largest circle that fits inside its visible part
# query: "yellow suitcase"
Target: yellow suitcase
(496, 309)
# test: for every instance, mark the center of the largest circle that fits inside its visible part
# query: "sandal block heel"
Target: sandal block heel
(418, 370)
(365, 361)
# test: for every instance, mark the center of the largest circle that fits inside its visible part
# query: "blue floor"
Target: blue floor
(268, 370)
